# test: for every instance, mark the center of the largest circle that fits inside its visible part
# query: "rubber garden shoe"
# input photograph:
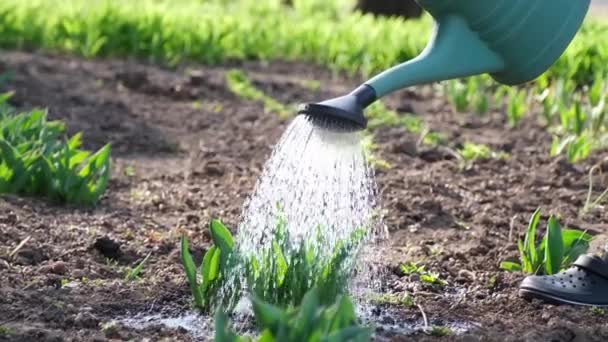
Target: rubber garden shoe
(585, 283)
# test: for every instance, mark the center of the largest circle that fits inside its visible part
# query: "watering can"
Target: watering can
(514, 41)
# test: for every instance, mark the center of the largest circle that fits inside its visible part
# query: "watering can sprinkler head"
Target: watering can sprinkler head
(344, 113)
(514, 41)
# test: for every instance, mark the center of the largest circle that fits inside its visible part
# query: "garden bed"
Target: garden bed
(186, 150)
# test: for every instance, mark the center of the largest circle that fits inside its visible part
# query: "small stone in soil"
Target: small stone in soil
(57, 267)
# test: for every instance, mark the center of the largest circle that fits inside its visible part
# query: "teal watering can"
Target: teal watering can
(514, 41)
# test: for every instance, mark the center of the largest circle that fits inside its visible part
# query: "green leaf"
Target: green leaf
(75, 141)
(576, 243)
(524, 258)
(221, 237)
(281, 263)
(190, 269)
(350, 334)
(210, 265)
(135, 272)
(530, 239)
(345, 314)
(266, 336)
(308, 312)
(510, 266)
(267, 315)
(222, 331)
(554, 249)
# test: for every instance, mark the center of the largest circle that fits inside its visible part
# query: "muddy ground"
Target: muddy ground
(185, 150)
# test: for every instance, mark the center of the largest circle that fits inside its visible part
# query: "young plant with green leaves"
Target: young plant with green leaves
(134, 273)
(425, 276)
(557, 250)
(35, 159)
(310, 321)
(468, 94)
(471, 152)
(240, 84)
(379, 115)
(206, 281)
(280, 273)
(516, 106)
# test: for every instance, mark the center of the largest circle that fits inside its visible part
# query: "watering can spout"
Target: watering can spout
(455, 51)
(512, 40)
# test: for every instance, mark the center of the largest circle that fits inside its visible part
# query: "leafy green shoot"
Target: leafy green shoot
(557, 250)
(404, 299)
(431, 278)
(36, 159)
(135, 273)
(440, 331)
(311, 320)
(280, 274)
(240, 84)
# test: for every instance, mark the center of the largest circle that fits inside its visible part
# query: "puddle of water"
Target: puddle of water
(387, 320)
(199, 326)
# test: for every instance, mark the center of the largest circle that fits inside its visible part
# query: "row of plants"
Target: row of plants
(570, 95)
(575, 114)
(328, 33)
(297, 290)
(38, 159)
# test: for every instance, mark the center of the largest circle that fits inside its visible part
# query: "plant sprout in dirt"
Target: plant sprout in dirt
(309, 238)
(556, 251)
(37, 159)
(311, 321)
(282, 275)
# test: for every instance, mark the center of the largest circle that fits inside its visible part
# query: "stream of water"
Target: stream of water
(318, 177)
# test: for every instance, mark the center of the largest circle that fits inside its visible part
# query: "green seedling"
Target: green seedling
(134, 274)
(280, 273)
(472, 93)
(458, 95)
(206, 281)
(6, 331)
(556, 251)
(471, 153)
(425, 276)
(576, 148)
(405, 299)
(516, 107)
(129, 171)
(369, 149)
(241, 85)
(440, 331)
(36, 160)
(381, 116)
(599, 311)
(310, 321)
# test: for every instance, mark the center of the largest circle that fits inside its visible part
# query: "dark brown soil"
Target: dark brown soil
(185, 150)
